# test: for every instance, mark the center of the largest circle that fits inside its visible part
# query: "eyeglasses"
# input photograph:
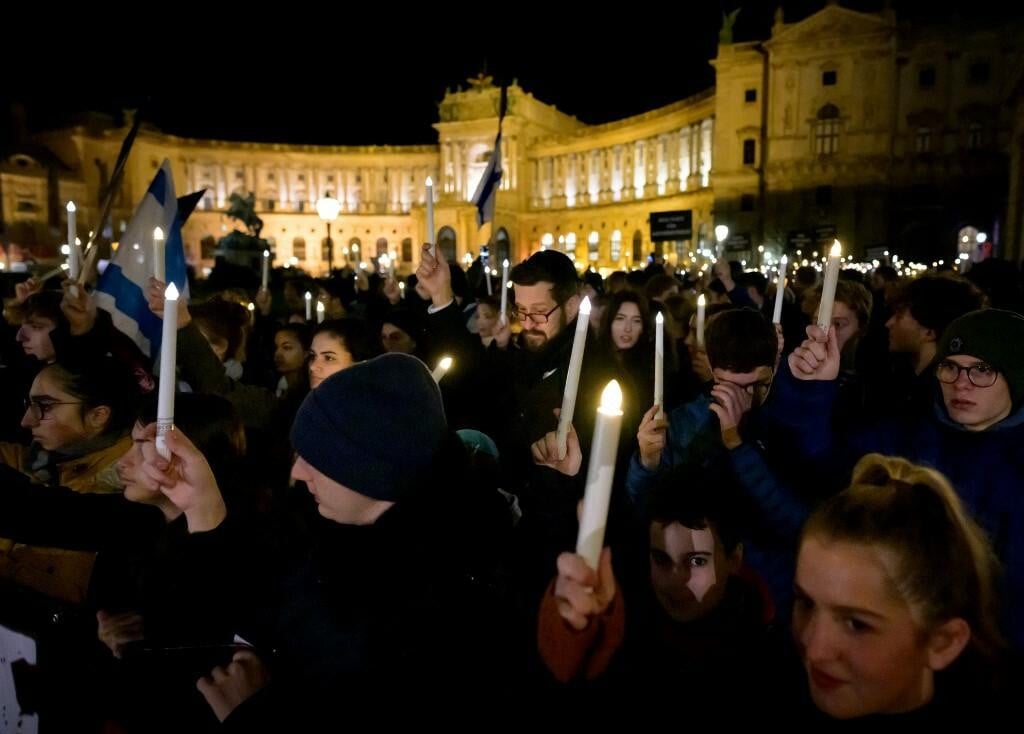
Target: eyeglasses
(537, 318)
(980, 374)
(40, 409)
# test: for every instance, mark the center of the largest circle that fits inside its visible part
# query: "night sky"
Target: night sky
(363, 79)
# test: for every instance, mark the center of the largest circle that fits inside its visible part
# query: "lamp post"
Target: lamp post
(328, 207)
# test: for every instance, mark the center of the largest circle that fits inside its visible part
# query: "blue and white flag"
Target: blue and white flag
(487, 190)
(121, 290)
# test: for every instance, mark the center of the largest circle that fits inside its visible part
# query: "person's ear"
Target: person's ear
(946, 642)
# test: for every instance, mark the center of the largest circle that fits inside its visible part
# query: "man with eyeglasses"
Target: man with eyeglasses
(726, 431)
(974, 434)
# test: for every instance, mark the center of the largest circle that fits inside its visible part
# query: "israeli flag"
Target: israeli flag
(122, 287)
(487, 190)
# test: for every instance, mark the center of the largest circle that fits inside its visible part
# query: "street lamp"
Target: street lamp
(328, 207)
(721, 233)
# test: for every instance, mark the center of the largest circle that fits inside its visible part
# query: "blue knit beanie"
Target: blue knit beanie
(374, 427)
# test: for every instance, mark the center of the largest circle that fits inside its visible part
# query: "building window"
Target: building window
(749, 151)
(750, 95)
(546, 240)
(300, 206)
(747, 202)
(979, 72)
(330, 179)
(828, 78)
(593, 247)
(926, 78)
(207, 203)
(302, 177)
(407, 250)
(826, 130)
(570, 243)
(823, 196)
(299, 248)
(616, 249)
(270, 177)
(638, 246)
(923, 140)
(975, 138)
(239, 175)
(269, 205)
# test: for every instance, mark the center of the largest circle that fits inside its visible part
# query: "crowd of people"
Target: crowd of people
(819, 525)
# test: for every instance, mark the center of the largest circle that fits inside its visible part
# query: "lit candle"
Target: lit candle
(266, 270)
(159, 256)
(659, 364)
(442, 369)
(780, 288)
(320, 312)
(73, 261)
(701, 303)
(168, 362)
(401, 289)
(600, 472)
(572, 379)
(504, 291)
(309, 306)
(828, 288)
(430, 217)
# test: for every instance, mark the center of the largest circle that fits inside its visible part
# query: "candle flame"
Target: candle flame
(585, 306)
(701, 300)
(158, 234)
(445, 363)
(430, 182)
(611, 398)
(837, 250)
(309, 296)
(659, 318)
(171, 294)
(71, 206)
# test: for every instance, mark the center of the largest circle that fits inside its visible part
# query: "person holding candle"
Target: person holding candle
(972, 435)
(683, 614)
(356, 612)
(727, 428)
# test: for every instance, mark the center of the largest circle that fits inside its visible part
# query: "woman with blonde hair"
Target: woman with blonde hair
(895, 599)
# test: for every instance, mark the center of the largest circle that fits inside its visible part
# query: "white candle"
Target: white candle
(401, 289)
(780, 289)
(504, 291)
(266, 269)
(659, 364)
(168, 362)
(600, 472)
(572, 379)
(430, 217)
(320, 312)
(309, 306)
(701, 303)
(442, 369)
(828, 287)
(73, 261)
(159, 256)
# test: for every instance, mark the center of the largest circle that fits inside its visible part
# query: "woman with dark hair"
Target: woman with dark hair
(79, 416)
(338, 344)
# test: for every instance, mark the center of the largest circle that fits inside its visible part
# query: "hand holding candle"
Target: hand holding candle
(572, 380)
(600, 472)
